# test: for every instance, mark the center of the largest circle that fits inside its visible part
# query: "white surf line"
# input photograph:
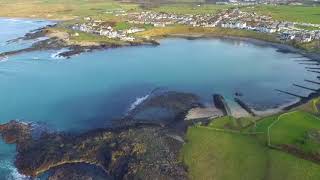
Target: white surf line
(4, 58)
(269, 127)
(13, 171)
(138, 101)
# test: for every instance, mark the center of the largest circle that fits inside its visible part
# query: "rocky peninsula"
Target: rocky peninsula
(51, 38)
(135, 148)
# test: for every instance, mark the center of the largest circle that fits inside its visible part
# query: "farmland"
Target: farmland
(306, 14)
(214, 152)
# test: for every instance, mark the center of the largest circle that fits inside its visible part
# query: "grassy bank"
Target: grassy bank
(215, 152)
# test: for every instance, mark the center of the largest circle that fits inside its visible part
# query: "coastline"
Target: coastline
(285, 48)
(280, 46)
(62, 40)
(140, 128)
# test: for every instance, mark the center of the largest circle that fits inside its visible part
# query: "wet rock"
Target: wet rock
(47, 44)
(238, 94)
(34, 34)
(136, 152)
(78, 172)
(15, 132)
(164, 108)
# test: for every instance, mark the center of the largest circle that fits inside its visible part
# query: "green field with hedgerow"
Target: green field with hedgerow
(222, 152)
(308, 14)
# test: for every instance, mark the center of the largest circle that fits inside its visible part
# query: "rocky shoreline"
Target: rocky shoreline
(145, 144)
(56, 41)
(135, 148)
(285, 48)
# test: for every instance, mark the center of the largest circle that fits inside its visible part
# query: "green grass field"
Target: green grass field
(223, 122)
(294, 129)
(61, 9)
(283, 166)
(191, 9)
(308, 14)
(217, 155)
(211, 153)
(228, 122)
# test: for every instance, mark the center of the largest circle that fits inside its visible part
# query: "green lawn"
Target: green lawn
(307, 14)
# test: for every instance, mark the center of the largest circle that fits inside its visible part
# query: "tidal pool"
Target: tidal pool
(90, 90)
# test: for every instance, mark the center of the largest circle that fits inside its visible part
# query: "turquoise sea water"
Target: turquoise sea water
(90, 90)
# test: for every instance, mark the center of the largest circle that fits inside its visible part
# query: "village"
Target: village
(105, 29)
(233, 19)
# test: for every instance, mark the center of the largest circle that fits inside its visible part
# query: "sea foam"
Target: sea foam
(138, 101)
(57, 54)
(13, 172)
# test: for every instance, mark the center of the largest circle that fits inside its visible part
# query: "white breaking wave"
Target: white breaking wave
(57, 56)
(2, 59)
(14, 174)
(138, 101)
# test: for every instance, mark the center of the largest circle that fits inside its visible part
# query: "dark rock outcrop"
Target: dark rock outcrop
(78, 172)
(166, 109)
(136, 152)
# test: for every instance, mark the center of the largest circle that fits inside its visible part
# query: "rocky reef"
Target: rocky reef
(135, 149)
(166, 109)
(139, 152)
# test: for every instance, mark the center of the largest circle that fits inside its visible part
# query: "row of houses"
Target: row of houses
(105, 29)
(159, 19)
(232, 18)
(286, 31)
